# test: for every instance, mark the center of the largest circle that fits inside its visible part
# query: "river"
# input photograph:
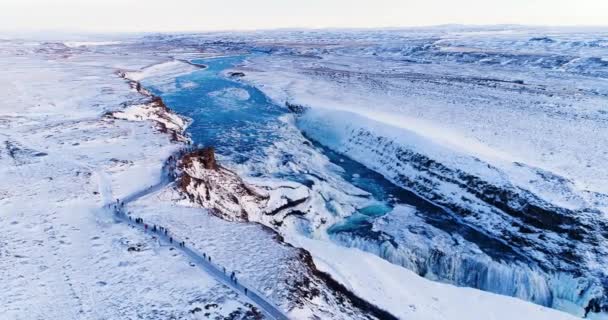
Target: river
(241, 122)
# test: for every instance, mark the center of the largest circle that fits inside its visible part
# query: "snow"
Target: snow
(63, 257)
(256, 255)
(409, 296)
(173, 68)
(75, 44)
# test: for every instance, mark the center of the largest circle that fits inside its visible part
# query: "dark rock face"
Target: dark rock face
(295, 108)
(236, 74)
(212, 186)
(288, 205)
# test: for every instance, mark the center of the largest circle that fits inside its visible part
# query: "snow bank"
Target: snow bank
(172, 69)
(409, 296)
(156, 111)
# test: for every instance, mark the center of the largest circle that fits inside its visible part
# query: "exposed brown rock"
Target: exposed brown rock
(206, 156)
(214, 187)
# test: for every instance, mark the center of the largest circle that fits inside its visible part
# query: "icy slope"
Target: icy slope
(382, 283)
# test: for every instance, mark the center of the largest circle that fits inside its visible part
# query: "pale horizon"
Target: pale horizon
(132, 16)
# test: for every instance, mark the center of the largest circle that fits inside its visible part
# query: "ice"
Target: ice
(493, 125)
(380, 282)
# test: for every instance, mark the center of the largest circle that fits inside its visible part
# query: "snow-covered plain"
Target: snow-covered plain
(62, 257)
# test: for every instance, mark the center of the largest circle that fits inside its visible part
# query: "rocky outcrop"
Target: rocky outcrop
(208, 184)
(214, 187)
(204, 182)
(236, 74)
(295, 108)
(152, 109)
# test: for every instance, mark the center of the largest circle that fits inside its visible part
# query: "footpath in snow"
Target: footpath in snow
(203, 260)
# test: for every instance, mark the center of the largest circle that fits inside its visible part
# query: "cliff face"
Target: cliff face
(153, 109)
(542, 231)
(212, 186)
(204, 182)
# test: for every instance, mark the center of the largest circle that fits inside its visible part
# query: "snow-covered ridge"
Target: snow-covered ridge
(154, 110)
(171, 68)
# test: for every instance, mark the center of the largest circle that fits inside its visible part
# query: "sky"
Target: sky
(204, 15)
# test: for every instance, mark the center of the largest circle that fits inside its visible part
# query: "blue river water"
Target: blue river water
(240, 121)
(235, 118)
